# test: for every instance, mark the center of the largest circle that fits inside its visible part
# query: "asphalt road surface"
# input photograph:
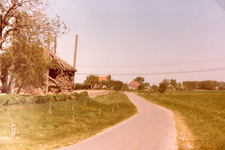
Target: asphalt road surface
(152, 128)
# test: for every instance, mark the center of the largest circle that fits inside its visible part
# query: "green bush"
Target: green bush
(40, 99)
(62, 97)
(80, 95)
(116, 88)
(162, 87)
(85, 94)
(13, 99)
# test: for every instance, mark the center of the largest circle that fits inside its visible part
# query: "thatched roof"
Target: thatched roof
(60, 64)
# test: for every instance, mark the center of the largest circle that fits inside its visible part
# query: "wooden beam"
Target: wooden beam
(55, 44)
(56, 82)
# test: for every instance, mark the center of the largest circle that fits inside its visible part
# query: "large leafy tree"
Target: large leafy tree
(190, 84)
(25, 61)
(25, 38)
(208, 85)
(166, 81)
(16, 15)
(108, 78)
(173, 82)
(91, 80)
(162, 87)
(139, 79)
(154, 88)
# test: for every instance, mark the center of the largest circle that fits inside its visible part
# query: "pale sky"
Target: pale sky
(155, 39)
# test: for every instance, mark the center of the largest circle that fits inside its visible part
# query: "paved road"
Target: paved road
(152, 128)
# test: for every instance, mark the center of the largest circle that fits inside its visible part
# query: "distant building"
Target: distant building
(133, 85)
(170, 87)
(102, 78)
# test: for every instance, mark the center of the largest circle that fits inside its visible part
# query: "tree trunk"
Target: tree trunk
(1, 42)
(20, 87)
(9, 86)
(1, 39)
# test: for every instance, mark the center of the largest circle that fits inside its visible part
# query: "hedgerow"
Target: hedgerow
(13, 99)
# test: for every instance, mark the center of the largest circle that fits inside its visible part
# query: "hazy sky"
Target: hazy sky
(155, 39)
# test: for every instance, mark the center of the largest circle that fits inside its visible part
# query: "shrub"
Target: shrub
(62, 97)
(162, 87)
(116, 88)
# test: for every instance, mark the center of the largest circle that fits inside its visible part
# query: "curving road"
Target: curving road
(152, 128)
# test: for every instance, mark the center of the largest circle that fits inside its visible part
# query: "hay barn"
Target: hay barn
(61, 76)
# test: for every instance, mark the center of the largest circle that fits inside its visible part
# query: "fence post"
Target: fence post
(50, 111)
(99, 111)
(74, 119)
(13, 130)
(50, 108)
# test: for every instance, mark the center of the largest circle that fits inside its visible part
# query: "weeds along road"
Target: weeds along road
(152, 128)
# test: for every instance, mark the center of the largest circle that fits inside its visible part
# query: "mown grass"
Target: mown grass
(36, 128)
(204, 113)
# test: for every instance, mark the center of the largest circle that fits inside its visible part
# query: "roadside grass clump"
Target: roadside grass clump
(72, 118)
(204, 113)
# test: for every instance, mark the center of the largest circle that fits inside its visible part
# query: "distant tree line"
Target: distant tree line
(204, 85)
(187, 85)
(92, 82)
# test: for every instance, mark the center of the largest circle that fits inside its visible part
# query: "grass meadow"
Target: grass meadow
(56, 124)
(203, 112)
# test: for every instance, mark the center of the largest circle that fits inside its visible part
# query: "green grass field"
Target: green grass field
(204, 113)
(36, 128)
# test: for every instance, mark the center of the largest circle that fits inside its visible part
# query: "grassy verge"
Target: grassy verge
(204, 114)
(39, 128)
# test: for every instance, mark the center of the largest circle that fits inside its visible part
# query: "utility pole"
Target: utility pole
(75, 58)
(48, 49)
(75, 52)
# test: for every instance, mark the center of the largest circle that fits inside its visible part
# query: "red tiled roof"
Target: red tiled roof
(133, 85)
(103, 78)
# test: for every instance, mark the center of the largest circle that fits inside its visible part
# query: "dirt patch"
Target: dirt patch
(185, 138)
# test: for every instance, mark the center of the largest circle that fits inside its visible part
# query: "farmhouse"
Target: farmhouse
(133, 85)
(171, 87)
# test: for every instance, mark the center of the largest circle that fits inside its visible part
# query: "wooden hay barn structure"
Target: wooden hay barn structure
(61, 76)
